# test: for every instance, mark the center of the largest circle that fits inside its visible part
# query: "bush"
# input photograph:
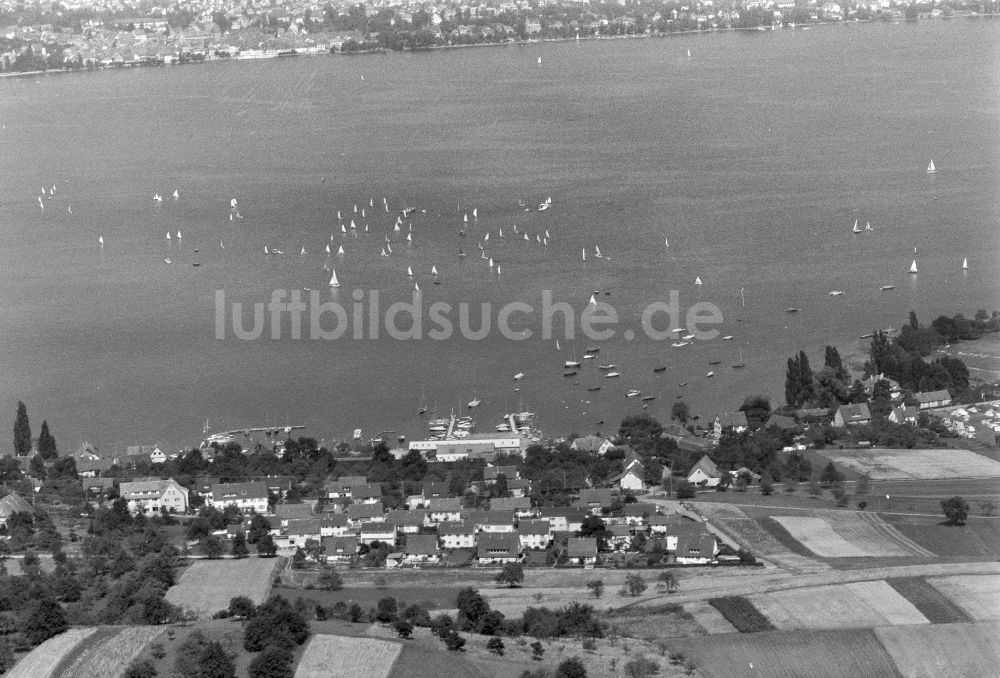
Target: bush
(571, 668)
(589, 645)
(330, 580)
(634, 585)
(956, 510)
(641, 667)
(140, 668)
(403, 628)
(495, 646)
(273, 662)
(596, 587)
(454, 642)
(537, 651)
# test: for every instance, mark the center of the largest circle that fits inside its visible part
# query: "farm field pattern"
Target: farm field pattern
(845, 534)
(891, 464)
(955, 650)
(208, 585)
(44, 659)
(327, 655)
(856, 605)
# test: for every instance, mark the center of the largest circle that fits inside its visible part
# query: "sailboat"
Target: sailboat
(474, 402)
(333, 280)
(383, 254)
(697, 280)
(178, 235)
(475, 212)
(491, 262)
(666, 242)
(266, 250)
(409, 237)
(573, 362)
(409, 271)
(461, 253)
(593, 300)
(176, 194)
(856, 229)
(597, 252)
(584, 254)
(913, 266)
(416, 287)
(100, 239)
(168, 235)
(868, 225)
(434, 270)
(931, 169)
(965, 264)
(302, 253)
(232, 203)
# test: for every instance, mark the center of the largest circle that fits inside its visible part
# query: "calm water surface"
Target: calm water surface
(754, 158)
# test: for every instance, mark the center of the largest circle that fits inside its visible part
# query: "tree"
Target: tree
(495, 646)
(634, 585)
(454, 642)
(511, 575)
(241, 607)
(641, 667)
(22, 431)
(272, 662)
(45, 618)
(680, 411)
(471, 608)
(596, 587)
(330, 580)
(766, 485)
(211, 546)
(214, 662)
(46, 443)
(266, 548)
(571, 668)
(404, 628)
(669, 580)
(685, 490)
(239, 549)
(956, 510)
(830, 475)
(386, 609)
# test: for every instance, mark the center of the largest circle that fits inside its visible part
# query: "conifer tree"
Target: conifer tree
(46, 443)
(22, 431)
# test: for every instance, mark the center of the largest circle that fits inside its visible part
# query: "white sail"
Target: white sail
(416, 287)
(486, 237)
(434, 270)
(501, 231)
(328, 249)
(340, 251)
(168, 235)
(491, 262)
(465, 218)
(409, 237)
(697, 280)
(333, 280)
(583, 253)
(597, 251)
(265, 250)
(232, 203)
(965, 264)
(100, 239)
(178, 235)
(338, 215)
(666, 242)
(344, 230)
(856, 228)
(475, 212)
(409, 271)
(868, 225)
(383, 253)
(389, 248)
(931, 169)
(303, 251)
(396, 229)
(176, 194)
(593, 300)
(547, 236)
(913, 266)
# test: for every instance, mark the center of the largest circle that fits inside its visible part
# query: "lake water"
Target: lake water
(754, 158)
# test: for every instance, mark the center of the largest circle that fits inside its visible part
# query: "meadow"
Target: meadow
(862, 605)
(327, 655)
(892, 464)
(110, 655)
(208, 585)
(43, 661)
(846, 534)
(955, 650)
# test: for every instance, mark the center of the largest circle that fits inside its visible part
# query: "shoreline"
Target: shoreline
(511, 43)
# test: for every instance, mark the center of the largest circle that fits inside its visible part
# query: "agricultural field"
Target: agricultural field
(208, 585)
(420, 661)
(847, 534)
(327, 655)
(977, 594)
(708, 618)
(888, 464)
(110, 655)
(856, 605)
(741, 613)
(46, 658)
(789, 654)
(955, 650)
(653, 622)
(933, 604)
(979, 538)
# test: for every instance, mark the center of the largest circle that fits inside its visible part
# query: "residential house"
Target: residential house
(498, 548)
(299, 531)
(697, 549)
(286, 512)
(582, 550)
(620, 536)
(869, 385)
(340, 488)
(492, 521)
(420, 548)
(277, 485)
(638, 513)
(519, 487)
(86, 452)
(153, 495)
(339, 548)
(929, 399)
(592, 444)
(521, 506)
(358, 513)
(96, 486)
(780, 422)
(11, 504)
(563, 519)
(904, 415)
(444, 509)
(334, 525)
(534, 534)
(244, 496)
(463, 449)
(368, 493)
(490, 473)
(631, 479)
(457, 535)
(852, 415)
(157, 456)
(736, 421)
(377, 531)
(434, 489)
(595, 499)
(92, 468)
(673, 528)
(704, 473)
(406, 522)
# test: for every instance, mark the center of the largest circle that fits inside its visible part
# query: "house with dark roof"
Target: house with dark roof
(582, 550)
(11, 504)
(498, 549)
(620, 536)
(904, 415)
(595, 499)
(699, 549)
(368, 493)
(97, 486)
(433, 489)
(153, 495)
(637, 513)
(420, 548)
(357, 513)
(443, 509)
(492, 521)
(299, 531)
(334, 525)
(562, 518)
(780, 422)
(856, 414)
(929, 399)
(339, 548)
(521, 506)
(92, 468)
(534, 534)
(704, 473)
(406, 522)
(341, 487)
(285, 512)
(372, 531)
(490, 473)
